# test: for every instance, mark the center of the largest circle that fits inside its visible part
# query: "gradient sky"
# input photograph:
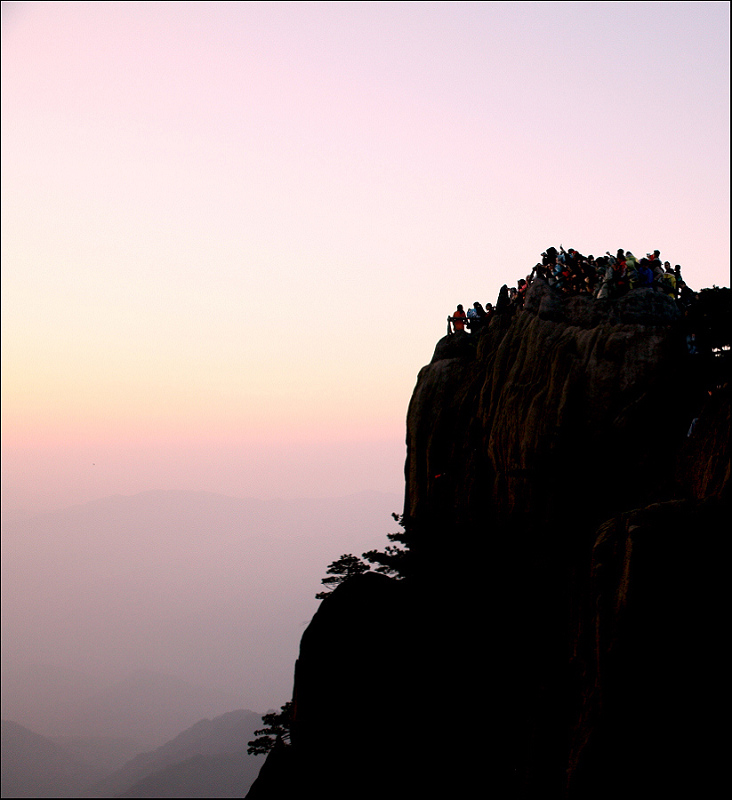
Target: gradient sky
(231, 232)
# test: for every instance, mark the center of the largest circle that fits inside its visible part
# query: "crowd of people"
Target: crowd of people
(571, 273)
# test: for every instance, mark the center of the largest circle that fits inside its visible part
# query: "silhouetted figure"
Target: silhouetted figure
(645, 274)
(458, 319)
(549, 258)
(477, 317)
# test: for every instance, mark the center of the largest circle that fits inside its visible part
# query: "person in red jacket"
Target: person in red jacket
(457, 320)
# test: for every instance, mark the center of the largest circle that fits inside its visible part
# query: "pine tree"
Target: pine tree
(394, 560)
(277, 726)
(347, 566)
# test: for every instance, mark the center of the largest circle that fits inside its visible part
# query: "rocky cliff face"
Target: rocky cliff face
(568, 406)
(558, 638)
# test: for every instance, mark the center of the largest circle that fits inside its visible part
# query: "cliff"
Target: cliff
(558, 636)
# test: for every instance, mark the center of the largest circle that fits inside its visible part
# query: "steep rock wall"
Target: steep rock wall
(546, 414)
(520, 446)
(556, 636)
(648, 653)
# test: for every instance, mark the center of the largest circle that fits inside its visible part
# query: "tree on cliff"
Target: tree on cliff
(394, 560)
(347, 566)
(277, 726)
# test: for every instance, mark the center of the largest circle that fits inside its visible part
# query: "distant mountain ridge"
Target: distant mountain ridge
(218, 748)
(145, 707)
(227, 775)
(34, 766)
(209, 759)
(179, 498)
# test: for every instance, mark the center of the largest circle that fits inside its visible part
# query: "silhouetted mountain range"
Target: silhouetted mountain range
(208, 759)
(229, 775)
(34, 766)
(144, 709)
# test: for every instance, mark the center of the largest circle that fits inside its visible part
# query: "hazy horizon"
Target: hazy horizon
(294, 472)
(214, 590)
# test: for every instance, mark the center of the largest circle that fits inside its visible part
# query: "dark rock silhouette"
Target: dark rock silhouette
(558, 639)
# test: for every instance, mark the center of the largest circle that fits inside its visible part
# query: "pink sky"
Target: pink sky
(231, 232)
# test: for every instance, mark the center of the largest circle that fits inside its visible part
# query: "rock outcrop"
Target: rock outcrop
(558, 639)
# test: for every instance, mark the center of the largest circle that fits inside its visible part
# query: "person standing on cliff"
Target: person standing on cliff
(667, 284)
(645, 274)
(476, 317)
(457, 320)
(503, 303)
(472, 320)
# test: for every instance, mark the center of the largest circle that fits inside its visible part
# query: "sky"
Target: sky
(232, 232)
